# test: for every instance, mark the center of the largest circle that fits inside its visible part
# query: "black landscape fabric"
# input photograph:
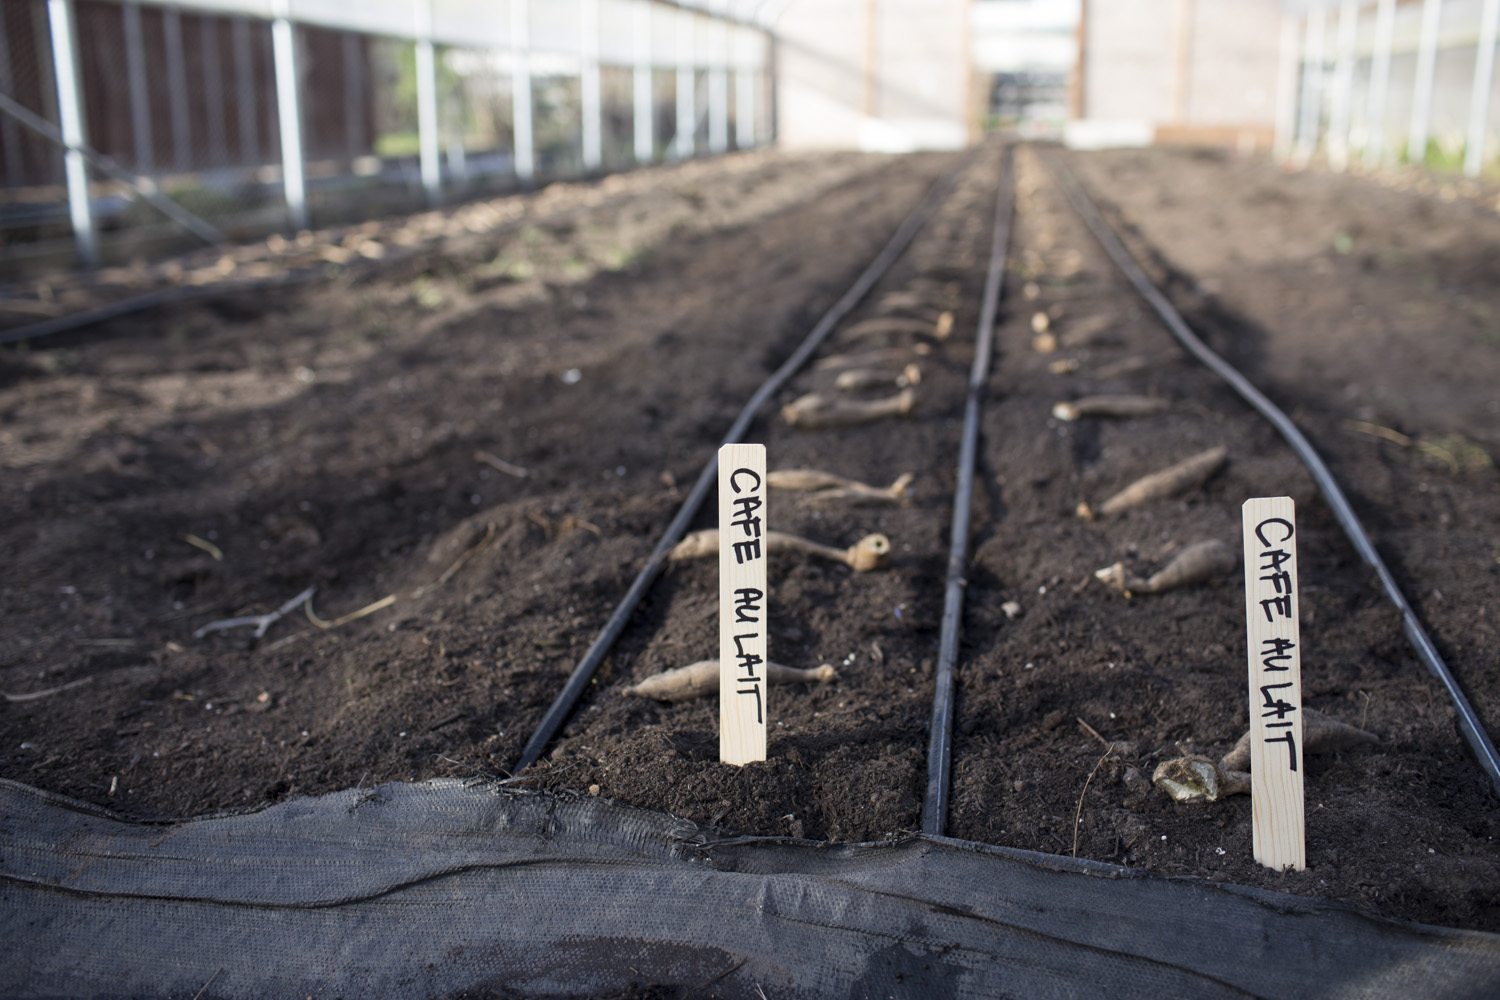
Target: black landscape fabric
(446, 888)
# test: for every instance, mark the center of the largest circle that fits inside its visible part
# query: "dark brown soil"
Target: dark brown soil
(604, 339)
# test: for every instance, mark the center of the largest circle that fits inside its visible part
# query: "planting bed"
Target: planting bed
(1405, 826)
(330, 436)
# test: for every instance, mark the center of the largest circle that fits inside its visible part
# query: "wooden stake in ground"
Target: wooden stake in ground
(743, 657)
(1271, 610)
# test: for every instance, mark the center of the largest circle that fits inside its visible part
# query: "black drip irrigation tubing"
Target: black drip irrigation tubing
(562, 706)
(1421, 643)
(143, 301)
(940, 737)
(150, 300)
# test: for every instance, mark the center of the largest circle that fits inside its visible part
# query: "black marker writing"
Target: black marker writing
(747, 604)
(744, 517)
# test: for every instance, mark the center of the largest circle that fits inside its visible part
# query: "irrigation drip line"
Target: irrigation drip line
(148, 300)
(940, 738)
(583, 673)
(143, 301)
(354, 270)
(188, 293)
(1469, 724)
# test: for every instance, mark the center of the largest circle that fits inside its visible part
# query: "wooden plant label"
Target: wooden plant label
(742, 603)
(1276, 763)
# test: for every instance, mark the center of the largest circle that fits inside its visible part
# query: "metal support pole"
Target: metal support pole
(1380, 81)
(429, 149)
(1289, 56)
(70, 114)
(1479, 99)
(141, 133)
(1343, 87)
(177, 89)
(687, 105)
(1421, 100)
(644, 112)
(1312, 86)
(246, 93)
(768, 93)
(718, 93)
(289, 114)
(592, 99)
(520, 28)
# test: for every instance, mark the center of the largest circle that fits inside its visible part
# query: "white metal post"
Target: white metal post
(1479, 99)
(428, 147)
(687, 105)
(718, 91)
(520, 29)
(70, 113)
(1289, 56)
(177, 89)
(289, 114)
(1343, 87)
(644, 113)
(1312, 86)
(1421, 99)
(592, 99)
(143, 138)
(1380, 81)
(768, 92)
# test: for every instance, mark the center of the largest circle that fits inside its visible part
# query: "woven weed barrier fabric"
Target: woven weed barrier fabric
(445, 888)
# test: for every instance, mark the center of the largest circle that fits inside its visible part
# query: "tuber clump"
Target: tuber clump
(824, 487)
(854, 379)
(1109, 406)
(816, 411)
(943, 328)
(1196, 779)
(1194, 564)
(891, 326)
(869, 553)
(866, 359)
(1175, 480)
(697, 680)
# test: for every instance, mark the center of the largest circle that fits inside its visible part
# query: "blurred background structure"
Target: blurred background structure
(131, 128)
(257, 115)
